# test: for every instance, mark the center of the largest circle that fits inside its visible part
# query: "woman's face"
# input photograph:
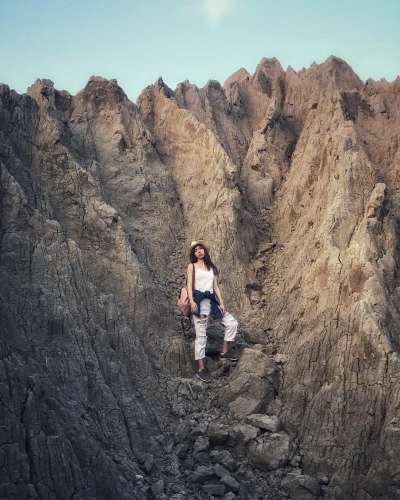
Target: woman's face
(199, 252)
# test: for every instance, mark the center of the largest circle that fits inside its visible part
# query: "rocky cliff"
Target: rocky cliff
(293, 180)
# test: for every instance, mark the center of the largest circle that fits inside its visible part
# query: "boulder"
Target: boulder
(201, 444)
(203, 474)
(220, 470)
(243, 433)
(225, 458)
(230, 483)
(242, 406)
(216, 490)
(270, 451)
(217, 434)
(253, 384)
(301, 486)
(158, 488)
(267, 422)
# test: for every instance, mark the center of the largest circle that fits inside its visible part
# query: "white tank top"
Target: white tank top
(204, 280)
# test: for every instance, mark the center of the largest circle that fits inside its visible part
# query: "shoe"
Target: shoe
(230, 355)
(203, 375)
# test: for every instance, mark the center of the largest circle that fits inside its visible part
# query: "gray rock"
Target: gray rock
(98, 197)
(182, 450)
(230, 483)
(270, 451)
(199, 430)
(148, 463)
(158, 488)
(253, 384)
(217, 490)
(324, 479)
(243, 406)
(202, 474)
(220, 470)
(201, 444)
(295, 461)
(244, 494)
(217, 434)
(225, 458)
(301, 486)
(230, 496)
(243, 433)
(267, 422)
(179, 409)
(188, 462)
(181, 432)
(202, 457)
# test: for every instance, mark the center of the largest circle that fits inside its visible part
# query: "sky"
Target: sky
(136, 42)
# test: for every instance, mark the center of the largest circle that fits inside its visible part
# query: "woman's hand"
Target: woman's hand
(193, 306)
(222, 307)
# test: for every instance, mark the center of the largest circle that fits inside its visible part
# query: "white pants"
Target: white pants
(200, 326)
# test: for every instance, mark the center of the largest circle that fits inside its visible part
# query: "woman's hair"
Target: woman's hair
(207, 259)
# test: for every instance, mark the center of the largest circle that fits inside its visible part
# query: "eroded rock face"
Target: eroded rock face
(293, 180)
(253, 385)
(270, 450)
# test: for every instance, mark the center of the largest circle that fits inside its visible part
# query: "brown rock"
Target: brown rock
(252, 385)
(267, 422)
(301, 487)
(270, 451)
(243, 433)
(99, 199)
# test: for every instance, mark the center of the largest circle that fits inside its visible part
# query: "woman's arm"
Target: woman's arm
(219, 295)
(193, 304)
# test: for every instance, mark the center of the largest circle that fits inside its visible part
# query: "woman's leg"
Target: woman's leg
(231, 326)
(200, 326)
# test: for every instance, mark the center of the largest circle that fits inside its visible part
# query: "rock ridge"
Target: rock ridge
(293, 180)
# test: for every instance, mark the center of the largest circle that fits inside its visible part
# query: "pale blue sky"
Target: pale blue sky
(138, 41)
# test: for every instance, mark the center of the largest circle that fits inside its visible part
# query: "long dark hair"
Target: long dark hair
(207, 259)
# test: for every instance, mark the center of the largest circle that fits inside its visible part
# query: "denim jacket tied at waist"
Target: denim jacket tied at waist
(215, 310)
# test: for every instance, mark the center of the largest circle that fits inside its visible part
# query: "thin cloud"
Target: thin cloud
(216, 10)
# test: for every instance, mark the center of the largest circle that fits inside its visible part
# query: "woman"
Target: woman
(205, 299)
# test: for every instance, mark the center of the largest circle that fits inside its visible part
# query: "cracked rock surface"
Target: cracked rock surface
(293, 180)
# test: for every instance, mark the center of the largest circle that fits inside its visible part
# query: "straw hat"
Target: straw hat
(194, 243)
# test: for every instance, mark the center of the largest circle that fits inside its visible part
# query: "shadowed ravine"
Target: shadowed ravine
(293, 181)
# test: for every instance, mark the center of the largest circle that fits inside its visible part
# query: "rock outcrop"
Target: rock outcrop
(293, 180)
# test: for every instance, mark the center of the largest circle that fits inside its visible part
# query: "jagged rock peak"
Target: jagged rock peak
(334, 60)
(270, 64)
(149, 95)
(43, 83)
(96, 78)
(163, 87)
(382, 85)
(267, 72)
(46, 87)
(292, 73)
(185, 85)
(213, 85)
(41, 87)
(98, 82)
(240, 74)
(343, 73)
(101, 91)
(4, 89)
(46, 95)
